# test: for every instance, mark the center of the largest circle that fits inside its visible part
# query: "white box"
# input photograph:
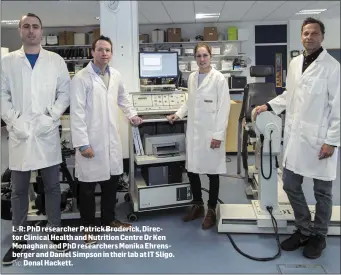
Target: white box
(158, 36)
(216, 50)
(243, 34)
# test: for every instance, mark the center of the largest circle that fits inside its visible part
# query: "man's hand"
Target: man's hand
(172, 118)
(326, 151)
(215, 143)
(259, 109)
(136, 120)
(88, 153)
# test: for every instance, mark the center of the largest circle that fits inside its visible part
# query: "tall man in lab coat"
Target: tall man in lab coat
(34, 94)
(311, 136)
(96, 93)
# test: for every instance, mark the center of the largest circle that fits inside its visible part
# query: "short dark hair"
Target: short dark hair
(31, 15)
(102, 37)
(311, 20)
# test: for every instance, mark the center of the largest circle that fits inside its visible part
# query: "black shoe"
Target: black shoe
(295, 241)
(60, 242)
(315, 246)
(12, 254)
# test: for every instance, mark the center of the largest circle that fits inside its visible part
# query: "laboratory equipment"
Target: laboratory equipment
(263, 180)
(157, 177)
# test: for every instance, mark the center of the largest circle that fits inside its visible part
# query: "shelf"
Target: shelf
(148, 159)
(151, 43)
(67, 46)
(194, 42)
(77, 60)
(141, 183)
(214, 56)
(222, 71)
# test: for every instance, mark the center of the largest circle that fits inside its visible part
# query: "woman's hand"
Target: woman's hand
(172, 118)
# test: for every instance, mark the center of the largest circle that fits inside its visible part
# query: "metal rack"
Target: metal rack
(144, 197)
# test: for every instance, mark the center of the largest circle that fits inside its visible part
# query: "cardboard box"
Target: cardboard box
(144, 38)
(231, 145)
(66, 38)
(210, 34)
(96, 33)
(174, 35)
(232, 33)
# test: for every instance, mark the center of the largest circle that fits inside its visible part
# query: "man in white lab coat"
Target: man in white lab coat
(34, 94)
(311, 136)
(96, 93)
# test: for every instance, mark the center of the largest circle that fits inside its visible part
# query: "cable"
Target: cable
(261, 156)
(274, 225)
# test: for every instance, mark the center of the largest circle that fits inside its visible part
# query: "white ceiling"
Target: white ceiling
(83, 13)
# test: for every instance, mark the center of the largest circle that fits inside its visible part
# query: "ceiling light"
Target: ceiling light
(206, 15)
(317, 11)
(97, 18)
(10, 22)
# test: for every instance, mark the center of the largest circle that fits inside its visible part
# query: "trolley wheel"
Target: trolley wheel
(132, 217)
(127, 197)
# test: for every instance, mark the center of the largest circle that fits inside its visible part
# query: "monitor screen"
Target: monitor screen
(159, 65)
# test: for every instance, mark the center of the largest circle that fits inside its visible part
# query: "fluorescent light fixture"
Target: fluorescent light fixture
(206, 15)
(317, 11)
(10, 22)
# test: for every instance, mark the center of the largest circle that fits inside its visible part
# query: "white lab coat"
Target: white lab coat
(312, 103)
(94, 122)
(27, 96)
(207, 110)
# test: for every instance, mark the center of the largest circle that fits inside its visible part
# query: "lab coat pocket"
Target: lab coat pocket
(208, 104)
(45, 124)
(309, 135)
(21, 128)
(315, 85)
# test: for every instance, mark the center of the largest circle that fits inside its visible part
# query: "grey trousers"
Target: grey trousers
(20, 183)
(292, 185)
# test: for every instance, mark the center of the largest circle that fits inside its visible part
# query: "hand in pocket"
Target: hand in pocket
(44, 125)
(21, 128)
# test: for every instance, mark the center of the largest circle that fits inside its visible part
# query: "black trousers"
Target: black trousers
(87, 204)
(195, 183)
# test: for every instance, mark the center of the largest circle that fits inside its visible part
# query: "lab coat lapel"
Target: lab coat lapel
(95, 77)
(206, 79)
(313, 64)
(111, 79)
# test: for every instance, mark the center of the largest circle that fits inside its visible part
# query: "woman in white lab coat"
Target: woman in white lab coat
(207, 110)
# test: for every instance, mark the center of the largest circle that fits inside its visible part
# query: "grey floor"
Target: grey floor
(195, 250)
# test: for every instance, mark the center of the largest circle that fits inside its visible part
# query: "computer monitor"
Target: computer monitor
(159, 64)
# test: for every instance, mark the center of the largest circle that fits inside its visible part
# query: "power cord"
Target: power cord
(275, 226)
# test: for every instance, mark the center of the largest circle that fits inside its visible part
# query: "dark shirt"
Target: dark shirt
(308, 59)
